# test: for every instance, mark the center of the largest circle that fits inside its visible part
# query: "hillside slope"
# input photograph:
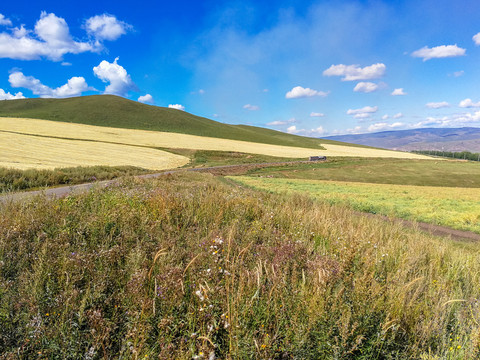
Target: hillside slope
(448, 139)
(114, 111)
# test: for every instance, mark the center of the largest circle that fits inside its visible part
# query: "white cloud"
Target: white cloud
(458, 73)
(468, 103)
(365, 87)
(437, 52)
(147, 98)
(7, 96)
(251, 107)
(312, 132)
(355, 72)
(455, 120)
(282, 122)
(201, 91)
(4, 21)
(355, 130)
(384, 126)
(364, 110)
(177, 106)
(50, 39)
(106, 27)
(116, 75)
(398, 116)
(316, 114)
(398, 92)
(476, 38)
(300, 92)
(437, 105)
(385, 117)
(362, 116)
(74, 87)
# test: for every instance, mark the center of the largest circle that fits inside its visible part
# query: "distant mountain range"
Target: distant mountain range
(447, 139)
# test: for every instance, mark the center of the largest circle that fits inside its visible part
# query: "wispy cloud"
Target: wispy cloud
(437, 52)
(437, 105)
(316, 114)
(362, 113)
(300, 92)
(355, 72)
(251, 107)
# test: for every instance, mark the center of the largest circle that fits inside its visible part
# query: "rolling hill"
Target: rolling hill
(118, 112)
(448, 139)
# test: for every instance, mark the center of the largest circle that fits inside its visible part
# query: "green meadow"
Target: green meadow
(194, 266)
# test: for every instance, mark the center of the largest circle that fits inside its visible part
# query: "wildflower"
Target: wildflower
(459, 347)
(264, 346)
(199, 294)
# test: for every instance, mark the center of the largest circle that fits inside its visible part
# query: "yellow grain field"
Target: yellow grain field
(174, 140)
(25, 151)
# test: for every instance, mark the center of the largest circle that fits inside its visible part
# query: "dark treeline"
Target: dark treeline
(466, 155)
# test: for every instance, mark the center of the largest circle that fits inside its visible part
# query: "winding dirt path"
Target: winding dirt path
(63, 191)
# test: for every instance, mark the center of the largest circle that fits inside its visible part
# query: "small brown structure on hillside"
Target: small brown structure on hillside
(317, 158)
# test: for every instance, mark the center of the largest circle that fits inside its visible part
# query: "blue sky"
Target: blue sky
(313, 68)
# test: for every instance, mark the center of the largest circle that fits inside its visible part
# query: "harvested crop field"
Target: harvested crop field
(26, 151)
(175, 140)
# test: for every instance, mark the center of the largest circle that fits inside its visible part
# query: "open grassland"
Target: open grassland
(25, 151)
(458, 208)
(382, 171)
(189, 265)
(155, 139)
(117, 112)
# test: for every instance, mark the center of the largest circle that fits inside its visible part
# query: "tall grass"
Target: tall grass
(190, 266)
(15, 180)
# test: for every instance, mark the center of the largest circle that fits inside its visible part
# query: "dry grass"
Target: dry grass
(24, 151)
(176, 140)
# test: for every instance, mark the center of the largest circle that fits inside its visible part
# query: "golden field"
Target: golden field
(156, 139)
(26, 151)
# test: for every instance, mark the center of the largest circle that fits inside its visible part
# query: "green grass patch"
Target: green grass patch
(190, 267)
(382, 171)
(457, 208)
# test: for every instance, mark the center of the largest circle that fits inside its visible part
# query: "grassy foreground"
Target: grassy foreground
(193, 267)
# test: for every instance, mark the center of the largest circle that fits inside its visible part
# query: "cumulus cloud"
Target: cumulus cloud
(398, 92)
(385, 126)
(300, 92)
(7, 96)
(476, 38)
(398, 116)
(468, 103)
(4, 21)
(50, 39)
(305, 132)
(106, 27)
(455, 120)
(365, 87)
(355, 72)
(316, 114)
(147, 98)
(442, 51)
(251, 107)
(177, 107)
(437, 105)
(74, 86)
(116, 75)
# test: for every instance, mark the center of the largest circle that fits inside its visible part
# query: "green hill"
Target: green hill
(114, 111)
